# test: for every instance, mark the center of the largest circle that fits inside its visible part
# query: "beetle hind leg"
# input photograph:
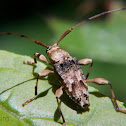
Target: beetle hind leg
(101, 81)
(58, 94)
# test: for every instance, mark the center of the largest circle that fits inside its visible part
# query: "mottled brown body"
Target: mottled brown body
(69, 71)
(70, 75)
(73, 80)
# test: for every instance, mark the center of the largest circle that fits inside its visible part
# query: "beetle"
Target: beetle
(68, 70)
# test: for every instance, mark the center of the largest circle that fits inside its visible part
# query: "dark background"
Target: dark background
(47, 20)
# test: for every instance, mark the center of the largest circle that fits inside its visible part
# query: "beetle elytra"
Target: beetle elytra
(68, 71)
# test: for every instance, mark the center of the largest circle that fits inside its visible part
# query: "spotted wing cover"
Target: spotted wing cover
(72, 78)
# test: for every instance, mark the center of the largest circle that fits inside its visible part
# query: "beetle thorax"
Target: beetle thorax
(56, 54)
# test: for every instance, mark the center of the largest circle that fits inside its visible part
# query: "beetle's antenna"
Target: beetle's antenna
(90, 18)
(37, 42)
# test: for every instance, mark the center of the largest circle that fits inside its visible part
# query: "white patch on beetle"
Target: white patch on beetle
(78, 74)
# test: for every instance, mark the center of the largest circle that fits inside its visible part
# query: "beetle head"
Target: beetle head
(56, 54)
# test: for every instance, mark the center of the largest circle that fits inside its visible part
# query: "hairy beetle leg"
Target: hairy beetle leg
(43, 73)
(39, 56)
(58, 94)
(85, 62)
(102, 81)
(28, 101)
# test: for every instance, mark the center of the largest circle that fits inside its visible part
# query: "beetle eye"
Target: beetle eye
(48, 49)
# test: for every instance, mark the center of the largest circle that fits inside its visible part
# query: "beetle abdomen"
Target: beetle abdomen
(72, 78)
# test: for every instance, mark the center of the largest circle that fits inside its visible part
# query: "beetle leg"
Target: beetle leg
(58, 94)
(102, 81)
(43, 73)
(86, 62)
(40, 57)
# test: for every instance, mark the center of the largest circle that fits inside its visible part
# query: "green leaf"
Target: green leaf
(17, 81)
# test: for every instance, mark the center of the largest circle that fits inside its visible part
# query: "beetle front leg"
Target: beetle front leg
(86, 62)
(40, 57)
(58, 94)
(102, 81)
(43, 73)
